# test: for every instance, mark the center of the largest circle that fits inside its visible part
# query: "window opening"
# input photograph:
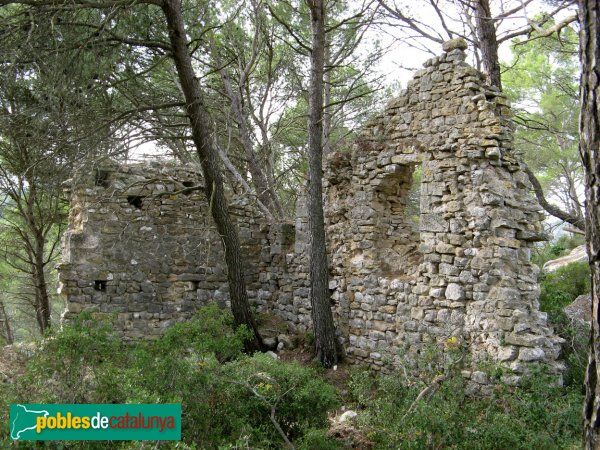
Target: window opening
(135, 201)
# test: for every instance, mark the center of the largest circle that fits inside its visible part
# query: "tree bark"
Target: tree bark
(326, 102)
(488, 44)
(589, 149)
(41, 287)
(322, 316)
(4, 319)
(37, 245)
(215, 191)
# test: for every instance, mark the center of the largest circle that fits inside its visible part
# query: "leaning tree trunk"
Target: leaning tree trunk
(322, 316)
(488, 45)
(37, 245)
(215, 191)
(589, 149)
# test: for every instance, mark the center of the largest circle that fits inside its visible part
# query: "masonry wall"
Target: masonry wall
(141, 245)
(465, 269)
(462, 269)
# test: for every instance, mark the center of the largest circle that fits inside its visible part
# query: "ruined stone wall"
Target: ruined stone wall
(141, 244)
(465, 270)
(400, 281)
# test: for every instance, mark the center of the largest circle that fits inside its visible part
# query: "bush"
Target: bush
(557, 290)
(561, 287)
(318, 440)
(69, 365)
(299, 395)
(540, 414)
(227, 397)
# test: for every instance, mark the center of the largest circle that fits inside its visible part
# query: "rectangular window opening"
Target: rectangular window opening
(188, 184)
(100, 285)
(101, 178)
(135, 200)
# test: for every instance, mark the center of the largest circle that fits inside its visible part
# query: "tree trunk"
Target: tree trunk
(4, 319)
(488, 45)
(326, 102)
(322, 316)
(215, 191)
(589, 149)
(36, 254)
(41, 287)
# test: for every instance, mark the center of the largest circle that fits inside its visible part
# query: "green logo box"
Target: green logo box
(95, 422)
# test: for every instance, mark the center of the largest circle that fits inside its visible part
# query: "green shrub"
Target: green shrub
(318, 440)
(259, 385)
(557, 290)
(209, 331)
(69, 364)
(561, 287)
(227, 397)
(540, 414)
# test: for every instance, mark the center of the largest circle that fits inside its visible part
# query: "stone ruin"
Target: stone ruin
(141, 243)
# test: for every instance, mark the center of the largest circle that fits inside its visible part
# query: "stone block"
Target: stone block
(507, 353)
(532, 354)
(454, 291)
(524, 340)
(434, 223)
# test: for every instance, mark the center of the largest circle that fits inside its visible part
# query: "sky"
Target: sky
(406, 52)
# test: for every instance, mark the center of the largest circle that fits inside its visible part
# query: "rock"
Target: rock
(524, 340)
(507, 353)
(272, 354)
(532, 354)
(455, 292)
(581, 309)
(285, 341)
(479, 377)
(433, 222)
(270, 342)
(453, 44)
(348, 415)
(578, 254)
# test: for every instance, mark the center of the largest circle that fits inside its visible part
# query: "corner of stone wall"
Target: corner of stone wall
(465, 272)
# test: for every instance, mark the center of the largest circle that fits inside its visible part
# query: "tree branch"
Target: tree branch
(551, 209)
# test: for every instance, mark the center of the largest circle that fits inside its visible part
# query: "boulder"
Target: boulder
(581, 309)
(348, 415)
(578, 254)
